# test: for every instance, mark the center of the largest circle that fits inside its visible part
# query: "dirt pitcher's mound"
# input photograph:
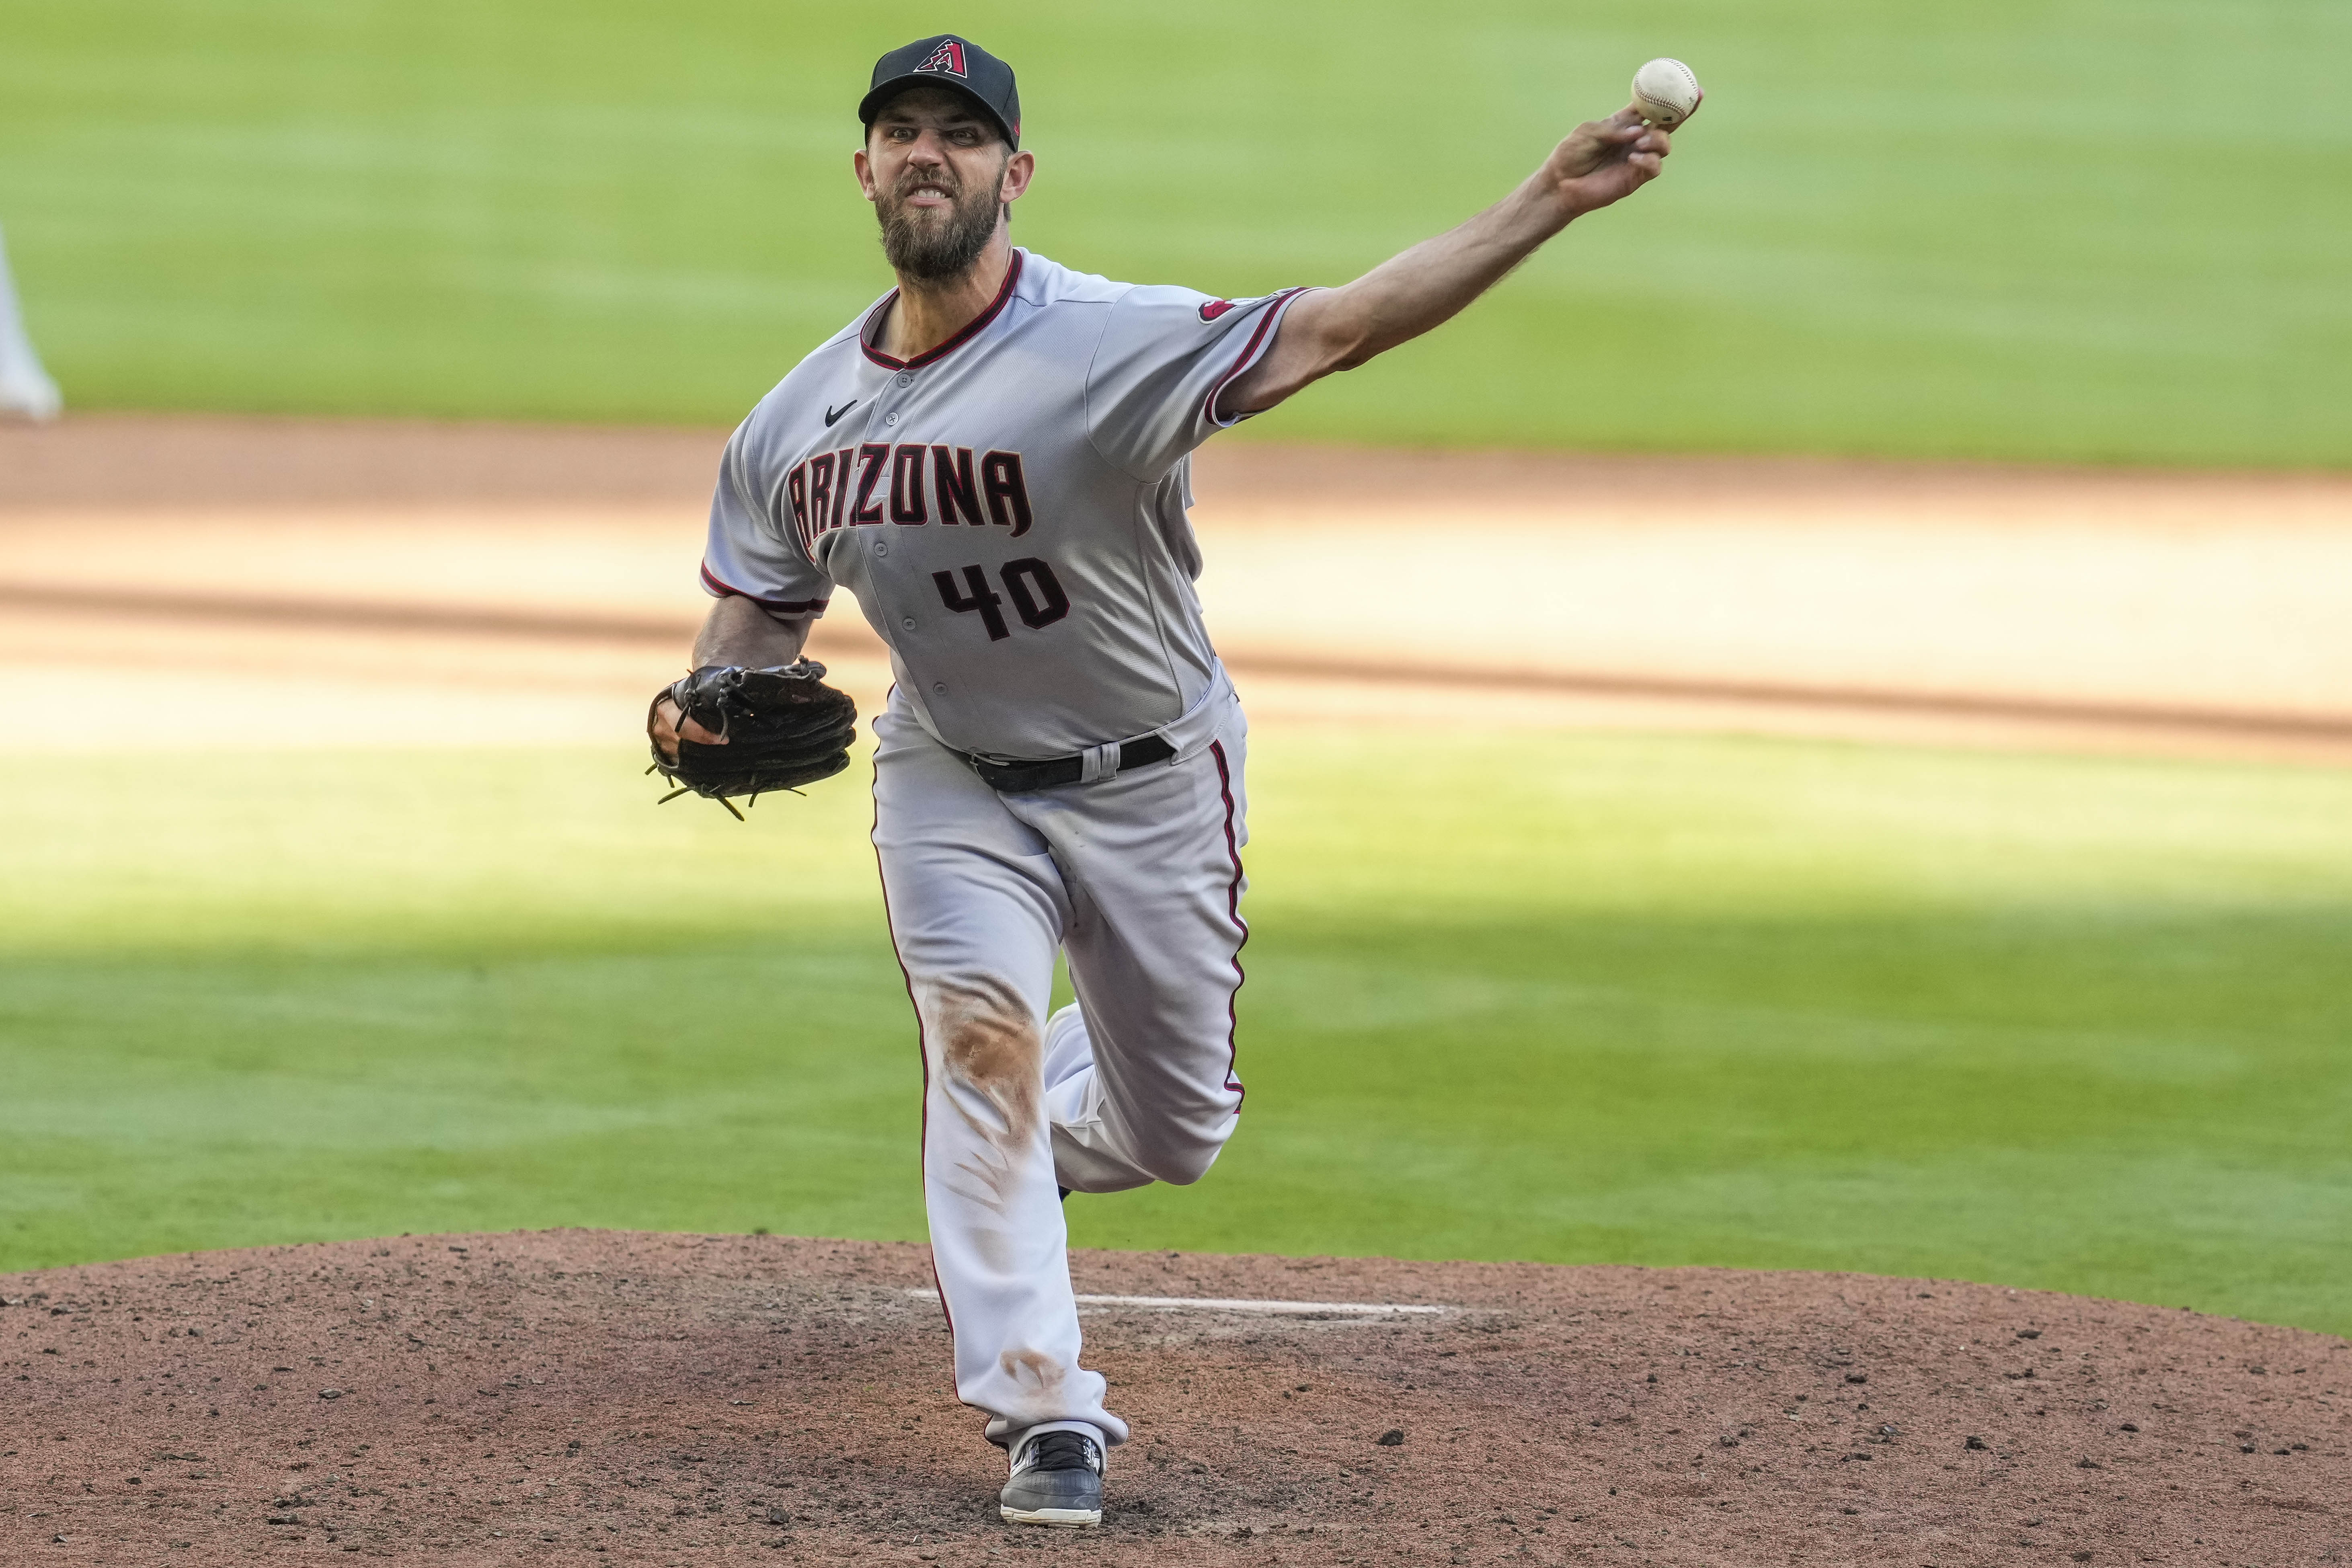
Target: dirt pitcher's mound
(579, 1397)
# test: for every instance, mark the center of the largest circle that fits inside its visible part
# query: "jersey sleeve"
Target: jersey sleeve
(1164, 357)
(752, 552)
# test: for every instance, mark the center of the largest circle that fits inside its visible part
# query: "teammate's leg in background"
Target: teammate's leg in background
(25, 387)
(977, 908)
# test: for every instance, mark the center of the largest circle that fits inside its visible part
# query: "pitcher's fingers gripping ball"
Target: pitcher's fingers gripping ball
(778, 729)
(1666, 92)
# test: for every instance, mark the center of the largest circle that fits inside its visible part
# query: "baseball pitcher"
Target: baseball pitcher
(994, 461)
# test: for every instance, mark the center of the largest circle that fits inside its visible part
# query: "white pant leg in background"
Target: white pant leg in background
(25, 387)
(1140, 876)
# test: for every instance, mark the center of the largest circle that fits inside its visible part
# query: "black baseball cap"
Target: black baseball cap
(952, 62)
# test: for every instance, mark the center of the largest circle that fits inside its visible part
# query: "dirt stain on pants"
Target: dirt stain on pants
(1037, 1373)
(990, 1050)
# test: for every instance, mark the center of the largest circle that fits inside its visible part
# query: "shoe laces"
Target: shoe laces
(1063, 1451)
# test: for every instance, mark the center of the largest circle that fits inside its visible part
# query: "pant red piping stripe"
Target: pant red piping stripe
(1232, 908)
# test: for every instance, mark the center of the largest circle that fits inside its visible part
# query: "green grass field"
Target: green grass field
(2101, 229)
(2051, 1022)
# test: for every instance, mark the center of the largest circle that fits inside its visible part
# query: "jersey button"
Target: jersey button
(890, 419)
(941, 687)
(881, 547)
(906, 378)
(908, 622)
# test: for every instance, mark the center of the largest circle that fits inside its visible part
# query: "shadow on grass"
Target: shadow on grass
(2094, 1098)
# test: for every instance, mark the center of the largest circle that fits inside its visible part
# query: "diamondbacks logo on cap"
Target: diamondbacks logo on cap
(948, 57)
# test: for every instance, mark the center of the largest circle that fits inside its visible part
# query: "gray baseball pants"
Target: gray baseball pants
(1138, 878)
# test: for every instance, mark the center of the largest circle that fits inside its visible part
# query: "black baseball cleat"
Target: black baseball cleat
(1056, 1480)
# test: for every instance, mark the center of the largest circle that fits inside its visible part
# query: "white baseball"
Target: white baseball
(1666, 92)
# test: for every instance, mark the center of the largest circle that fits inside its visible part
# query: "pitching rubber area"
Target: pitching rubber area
(582, 1397)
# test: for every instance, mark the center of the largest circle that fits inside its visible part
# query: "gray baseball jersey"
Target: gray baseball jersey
(1009, 508)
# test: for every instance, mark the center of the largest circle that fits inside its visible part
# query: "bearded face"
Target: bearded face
(935, 222)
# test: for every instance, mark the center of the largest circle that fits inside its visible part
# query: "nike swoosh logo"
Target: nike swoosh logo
(832, 414)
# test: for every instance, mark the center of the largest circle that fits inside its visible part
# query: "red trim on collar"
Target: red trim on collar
(970, 328)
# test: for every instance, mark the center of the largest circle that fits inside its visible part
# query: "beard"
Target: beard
(932, 244)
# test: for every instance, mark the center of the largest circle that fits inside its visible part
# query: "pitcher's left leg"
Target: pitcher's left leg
(1142, 1082)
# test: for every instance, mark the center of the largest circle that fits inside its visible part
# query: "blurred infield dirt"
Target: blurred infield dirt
(388, 580)
(581, 1396)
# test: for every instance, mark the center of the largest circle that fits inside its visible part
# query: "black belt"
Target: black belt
(1020, 778)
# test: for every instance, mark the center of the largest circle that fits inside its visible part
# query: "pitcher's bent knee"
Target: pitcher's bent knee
(1183, 1158)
